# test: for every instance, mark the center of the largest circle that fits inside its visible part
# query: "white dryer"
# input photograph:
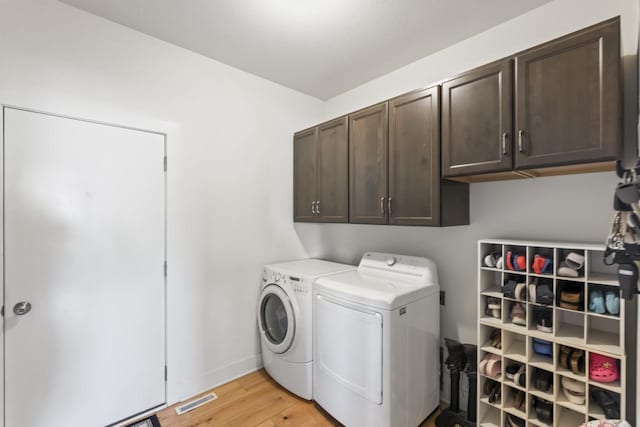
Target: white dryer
(377, 334)
(285, 321)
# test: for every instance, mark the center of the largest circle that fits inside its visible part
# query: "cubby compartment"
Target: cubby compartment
(566, 417)
(543, 291)
(541, 261)
(603, 334)
(570, 295)
(601, 399)
(515, 374)
(572, 393)
(491, 310)
(514, 346)
(488, 415)
(600, 368)
(541, 383)
(568, 265)
(514, 314)
(490, 365)
(514, 287)
(518, 261)
(541, 353)
(515, 401)
(491, 393)
(571, 362)
(540, 321)
(491, 283)
(493, 250)
(570, 326)
(603, 301)
(598, 271)
(491, 339)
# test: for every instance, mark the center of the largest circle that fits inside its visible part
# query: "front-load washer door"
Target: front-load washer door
(277, 319)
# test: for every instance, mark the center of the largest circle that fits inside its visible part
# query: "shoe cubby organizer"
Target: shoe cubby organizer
(549, 315)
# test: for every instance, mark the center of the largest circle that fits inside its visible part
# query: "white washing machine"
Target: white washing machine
(377, 334)
(285, 321)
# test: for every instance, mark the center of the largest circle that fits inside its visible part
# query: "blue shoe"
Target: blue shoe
(612, 302)
(596, 302)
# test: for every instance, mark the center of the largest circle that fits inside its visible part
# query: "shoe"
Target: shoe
(542, 380)
(572, 265)
(513, 421)
(612, 302)
(471, 353)
(543, 347)
(596, 301)
(518, 315)
(602, 368)
(571, 297)
(519, 400)
(544, 409)
(516, 262)
(572, 359)
(606, 402)
(520, 377)
(494, 307)
(456, 359)
(511, 371)
(492, 259)
(491, 366)
(542, 264)
(509, 289)
(496, 339)
(544, 321)
(495, 392)
(573, 390)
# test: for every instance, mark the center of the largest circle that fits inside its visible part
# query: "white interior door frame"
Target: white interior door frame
(169, 387)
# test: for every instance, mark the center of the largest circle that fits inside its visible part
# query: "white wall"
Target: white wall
(570, 208)
(230, 157)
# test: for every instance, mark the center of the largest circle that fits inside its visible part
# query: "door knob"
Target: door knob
(22, 308)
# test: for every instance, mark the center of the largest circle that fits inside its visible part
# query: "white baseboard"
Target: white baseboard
(218, 377)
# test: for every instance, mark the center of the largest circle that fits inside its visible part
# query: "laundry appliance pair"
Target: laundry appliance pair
(362, 342)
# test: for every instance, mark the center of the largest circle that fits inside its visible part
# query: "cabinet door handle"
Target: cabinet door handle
(520, 141)
(505, 135)
(317, 207)
(389, 205)
(382, 205)
(313, 207)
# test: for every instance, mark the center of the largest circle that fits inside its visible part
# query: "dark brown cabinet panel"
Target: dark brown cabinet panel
(414, 158)
(304, 175)
(368, 165)
(477, 121)
(333, 171)
(568, 107)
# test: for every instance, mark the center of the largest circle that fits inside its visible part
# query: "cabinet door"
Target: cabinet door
(568, 99)
(333, 171)
(305, 145)
(477, 121)
(414, 158)
(368, 165)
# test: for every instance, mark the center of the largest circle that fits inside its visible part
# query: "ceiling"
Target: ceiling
(319, 47)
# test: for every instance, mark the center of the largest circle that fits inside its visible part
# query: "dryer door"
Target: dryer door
(277, 319)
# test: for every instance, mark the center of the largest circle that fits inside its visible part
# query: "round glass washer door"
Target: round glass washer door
(277, 320)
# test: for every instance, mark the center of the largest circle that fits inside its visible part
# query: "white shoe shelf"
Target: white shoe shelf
(605, 334)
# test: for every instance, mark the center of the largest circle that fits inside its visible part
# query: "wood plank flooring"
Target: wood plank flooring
(254, 400)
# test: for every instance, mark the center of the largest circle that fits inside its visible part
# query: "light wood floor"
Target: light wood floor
(254, 400)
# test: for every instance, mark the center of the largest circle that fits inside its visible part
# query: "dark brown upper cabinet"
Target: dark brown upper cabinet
(568, 105)
(368, 165)
(415, 185)
(477, 121)
(321, 173)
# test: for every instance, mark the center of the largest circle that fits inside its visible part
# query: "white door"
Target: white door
(84, 246)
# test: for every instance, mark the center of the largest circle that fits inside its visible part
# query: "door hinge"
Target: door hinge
(165, 163)
(165, 372)
(165, 269)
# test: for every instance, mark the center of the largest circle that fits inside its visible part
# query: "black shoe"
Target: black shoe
(544, 317)
(471, 353)
(456, 359)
